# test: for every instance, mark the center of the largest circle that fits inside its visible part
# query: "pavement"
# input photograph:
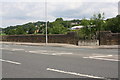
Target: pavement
(25, 61)
(64, 45)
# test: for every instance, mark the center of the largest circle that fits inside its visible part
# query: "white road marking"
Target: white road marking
(102, 58)
(50, 52)
(31, 51)
(12, 49)
(1, 48)
(74, 73)
(45, 53)
(59, 54)
(26, 51)
(17, 49)
(54, 54)
(10, 61)
(36, 52)
(63, 53)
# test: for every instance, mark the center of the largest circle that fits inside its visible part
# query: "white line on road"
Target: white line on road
(10, 61)
(74, 73)
(63, 53)
(1, 48)
(50, 53)
(17, 49)
(102, 58)
(12, 49)
(105, 57)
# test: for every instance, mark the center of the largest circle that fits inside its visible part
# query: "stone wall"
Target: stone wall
(106, 38)
(109, 38)
(53, 38)
(88, 42)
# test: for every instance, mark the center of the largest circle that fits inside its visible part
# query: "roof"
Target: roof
(77, 27)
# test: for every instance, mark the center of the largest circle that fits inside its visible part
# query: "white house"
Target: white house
(76, 27)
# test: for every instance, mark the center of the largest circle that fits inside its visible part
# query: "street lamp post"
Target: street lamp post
(99, 34)
(46, 20)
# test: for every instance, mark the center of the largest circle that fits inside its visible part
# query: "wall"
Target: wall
(88, 42)
(54, 38)
(108, 38)
(105, 38)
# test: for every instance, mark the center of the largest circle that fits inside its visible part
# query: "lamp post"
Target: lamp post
(46, 20)
(99, 33)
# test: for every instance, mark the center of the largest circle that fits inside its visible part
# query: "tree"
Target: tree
(31, 29)
(81, 33)
(113, 24)
(98, 21)
(57, 28)
(92, 26)
(67, 24)
(20, 30)
(11, 32)
(86, 30)
(59, 19)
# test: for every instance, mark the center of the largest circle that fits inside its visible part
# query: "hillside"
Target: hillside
(59, 26)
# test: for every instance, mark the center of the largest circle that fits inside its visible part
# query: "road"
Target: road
(22, 61)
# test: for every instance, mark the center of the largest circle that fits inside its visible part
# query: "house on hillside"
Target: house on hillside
(79, 27)
(76, 27)
(75, 23)
(37, 29)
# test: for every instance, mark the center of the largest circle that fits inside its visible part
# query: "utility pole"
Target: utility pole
(46, 20)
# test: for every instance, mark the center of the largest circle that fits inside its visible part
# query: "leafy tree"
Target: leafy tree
(32, 29)
(57, 28)
(81, 33)
(86, 30)
(59, 19)
(20, 30)
(67, 24)
(11, 32)
(113, 24)
(96, 23)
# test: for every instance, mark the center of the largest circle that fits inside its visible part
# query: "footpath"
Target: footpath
(63, 45)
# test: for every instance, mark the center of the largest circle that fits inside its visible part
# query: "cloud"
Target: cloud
(59, 0)
(14, 13)
(23, 10)
(119, 8)
(81, 10)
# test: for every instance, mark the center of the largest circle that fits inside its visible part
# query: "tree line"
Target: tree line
(96, 23)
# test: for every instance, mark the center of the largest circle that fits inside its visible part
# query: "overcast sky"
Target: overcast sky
(16, 12)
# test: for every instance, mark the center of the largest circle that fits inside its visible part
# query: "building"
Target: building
(76, 27)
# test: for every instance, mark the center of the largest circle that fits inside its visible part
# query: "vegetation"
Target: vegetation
(97, 24)
(59, 26)
(113, 24)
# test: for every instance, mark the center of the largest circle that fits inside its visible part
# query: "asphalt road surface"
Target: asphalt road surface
(22, 61)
